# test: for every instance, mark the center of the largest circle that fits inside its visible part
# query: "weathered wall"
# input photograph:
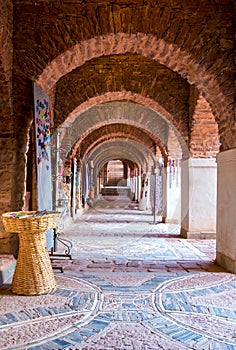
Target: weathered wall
(204, 135)
(8, 142)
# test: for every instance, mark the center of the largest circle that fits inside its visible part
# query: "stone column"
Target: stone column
(198, 198)
(226, 210)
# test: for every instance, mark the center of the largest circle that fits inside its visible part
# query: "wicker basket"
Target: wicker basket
(27, 222)
(33, 274)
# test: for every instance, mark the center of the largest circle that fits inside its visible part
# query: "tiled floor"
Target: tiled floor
(131, 284)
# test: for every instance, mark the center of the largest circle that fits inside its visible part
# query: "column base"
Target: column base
(171, 221)
(226, 262)
(197, 235)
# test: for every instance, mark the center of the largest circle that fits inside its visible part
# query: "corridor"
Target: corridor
(100, 99)
(131, 284)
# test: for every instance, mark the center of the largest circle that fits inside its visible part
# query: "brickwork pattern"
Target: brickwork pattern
(187, 39)
(87, 142)
(119, 149)
(132, 115)
(150, 49)
(140, 44)
(124, 73)
(204, 140)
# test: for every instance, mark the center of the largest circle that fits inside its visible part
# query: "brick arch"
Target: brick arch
(132, 164)
(106, 159)
(111, 131)
(132, 97)
(129, 163)
(149, 46)
(120, 96)
(115, 136)
(137, 146)
(114, 149)
(119, 73)
(118, 112)
(204, 136)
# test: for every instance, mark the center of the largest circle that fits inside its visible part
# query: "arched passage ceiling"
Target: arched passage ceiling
(134, 73)
(121, 149)
(111, 131)
(193, 38)
(126, 113)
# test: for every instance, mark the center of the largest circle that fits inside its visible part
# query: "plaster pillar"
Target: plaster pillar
(73, 189)
(226, 210)
(95, 182)
(125, 175)
(131, 184)
(139, 187)
(171, 194)
(91, 179)
(78, 190)
(144, 203)
(198, 198)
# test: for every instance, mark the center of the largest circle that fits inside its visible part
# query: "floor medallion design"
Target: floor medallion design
(88, 311)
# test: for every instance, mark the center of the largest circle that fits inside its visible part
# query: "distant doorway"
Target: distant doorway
(115, 172)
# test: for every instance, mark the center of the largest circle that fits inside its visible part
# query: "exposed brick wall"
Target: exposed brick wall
(8, 142)
(133, 73)
(175, 149)
(166, 54)
(204, 141)
(6, 50)
(195, 39)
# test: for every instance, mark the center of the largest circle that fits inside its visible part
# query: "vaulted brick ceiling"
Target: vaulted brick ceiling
(112, 131)
(119, 119)
(119, 149)
(134, 73)
(79, 50)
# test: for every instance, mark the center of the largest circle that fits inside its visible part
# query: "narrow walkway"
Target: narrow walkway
(131, 284)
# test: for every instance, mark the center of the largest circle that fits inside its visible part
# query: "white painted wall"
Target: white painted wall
(145, 203)
(172, 194)
(226, 210)
(198, 196)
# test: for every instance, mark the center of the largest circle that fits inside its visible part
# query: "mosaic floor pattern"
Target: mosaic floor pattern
(131, 285)
(147, 311)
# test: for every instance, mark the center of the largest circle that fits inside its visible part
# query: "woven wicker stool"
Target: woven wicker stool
(33, 274)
